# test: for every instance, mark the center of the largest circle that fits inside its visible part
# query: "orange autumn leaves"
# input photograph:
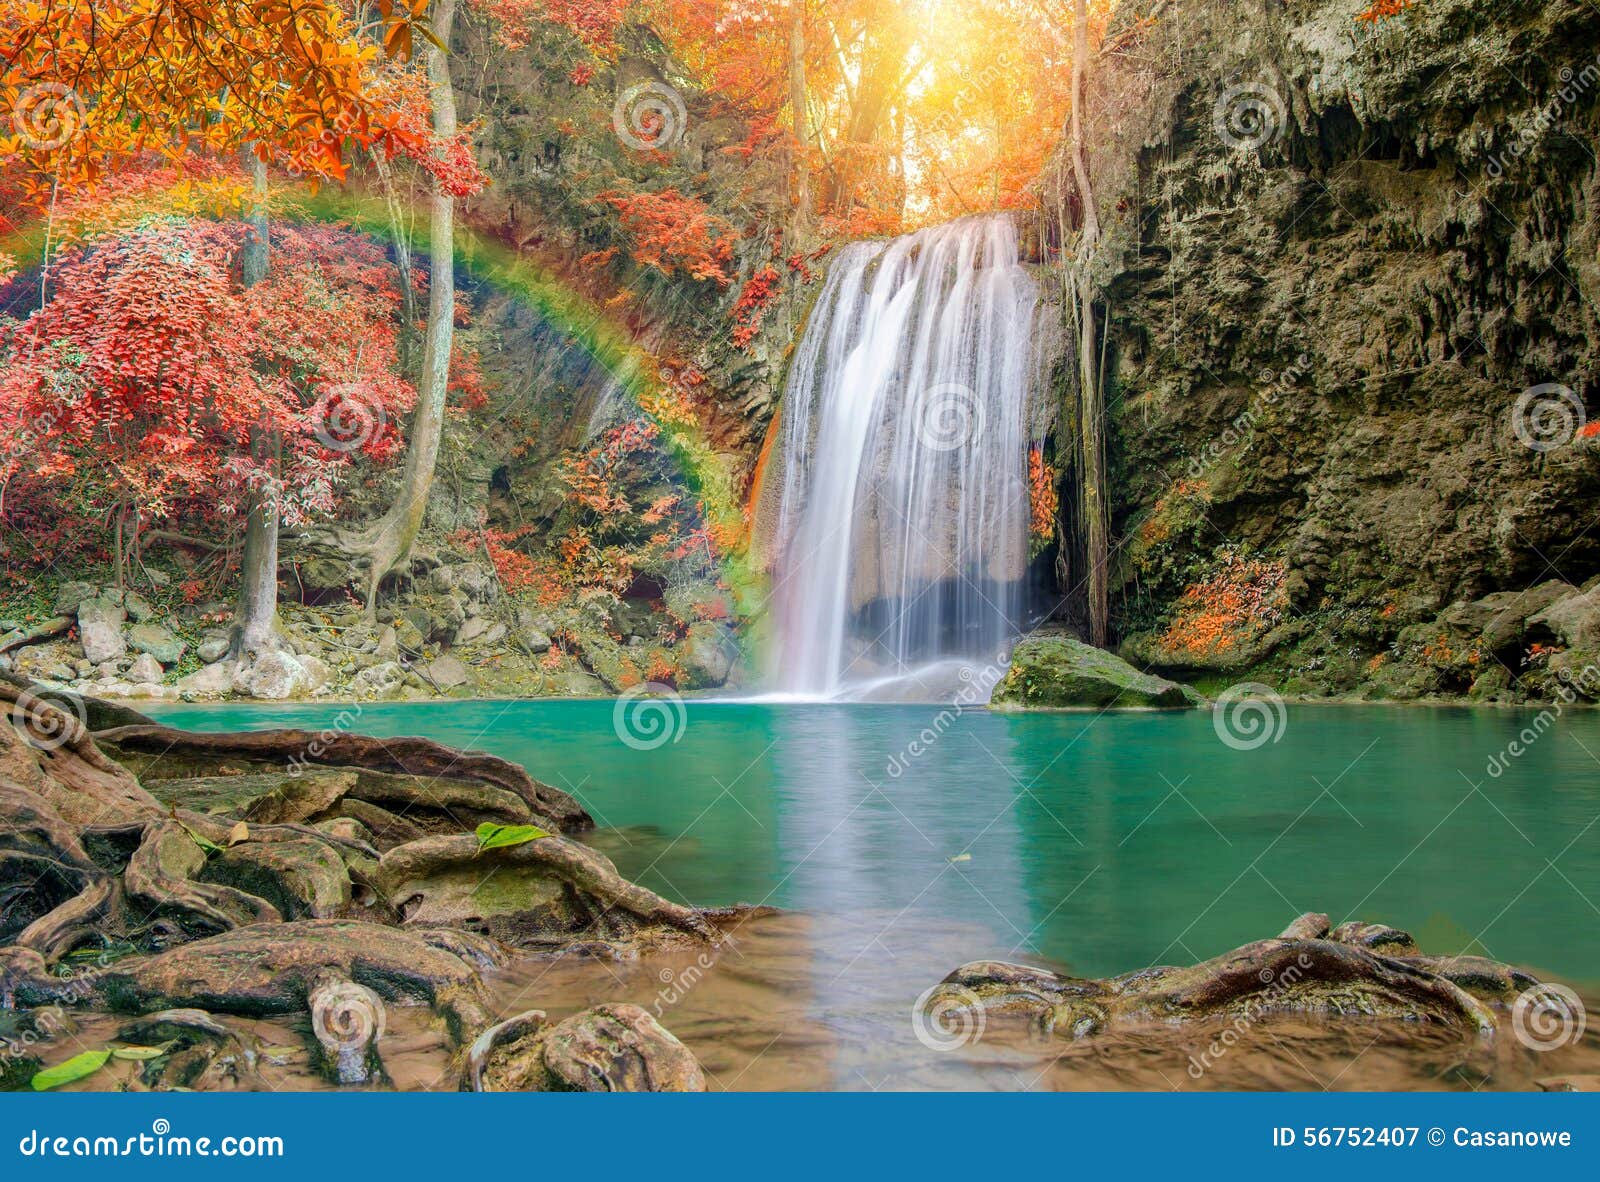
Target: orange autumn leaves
(1382, 10)
(91, 84)
(1240, 601)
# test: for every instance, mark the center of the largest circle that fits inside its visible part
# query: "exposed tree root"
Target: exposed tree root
(264, 970)
(240, 891)
(524, 894)
(62, 929)
(408, 755)
(1308, 970)
(610, 1048)
(160, 880)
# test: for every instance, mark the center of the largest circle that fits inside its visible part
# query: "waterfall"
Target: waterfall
(900, 538)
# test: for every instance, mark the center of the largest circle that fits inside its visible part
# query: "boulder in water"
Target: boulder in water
(1063, 672)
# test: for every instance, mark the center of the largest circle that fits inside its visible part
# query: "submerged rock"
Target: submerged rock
(1061, 671)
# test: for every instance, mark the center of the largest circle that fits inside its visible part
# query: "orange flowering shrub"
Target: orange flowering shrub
(1382, 10)
(1043, 500)
(1244, 599)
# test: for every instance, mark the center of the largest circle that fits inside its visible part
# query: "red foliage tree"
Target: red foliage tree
(137, 388)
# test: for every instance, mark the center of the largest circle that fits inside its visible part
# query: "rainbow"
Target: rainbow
(709, 475)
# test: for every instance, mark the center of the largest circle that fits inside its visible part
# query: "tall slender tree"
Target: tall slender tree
(396, 532)
(1091, 401)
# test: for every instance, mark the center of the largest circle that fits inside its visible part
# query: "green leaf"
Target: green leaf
(492, 836)
(76, 1068)
(137, 1054)
(204, 843)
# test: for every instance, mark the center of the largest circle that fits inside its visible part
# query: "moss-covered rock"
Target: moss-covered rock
(1061, 671)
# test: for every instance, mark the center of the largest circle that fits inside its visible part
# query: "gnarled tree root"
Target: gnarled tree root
(610, 1048)
(1306, 971)
(549, 806)
(530, 894)
(270, 969)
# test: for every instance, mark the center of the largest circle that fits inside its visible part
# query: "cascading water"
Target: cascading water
(901, 533)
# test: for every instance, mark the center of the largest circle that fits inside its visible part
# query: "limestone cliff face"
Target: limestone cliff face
(1341, 256)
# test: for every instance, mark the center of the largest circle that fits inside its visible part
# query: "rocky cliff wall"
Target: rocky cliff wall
(1352, 303)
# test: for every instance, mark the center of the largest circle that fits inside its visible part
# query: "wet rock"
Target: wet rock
(100, 629)
(610, 1048)
(1061, 671)
(707, 655)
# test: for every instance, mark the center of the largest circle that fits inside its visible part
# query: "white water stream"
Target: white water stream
(902, 529)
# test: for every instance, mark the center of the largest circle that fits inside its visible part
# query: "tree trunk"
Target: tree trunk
(797, 104)
(255, 627)
(1092, 419)
(402, 261)
(397, 531)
